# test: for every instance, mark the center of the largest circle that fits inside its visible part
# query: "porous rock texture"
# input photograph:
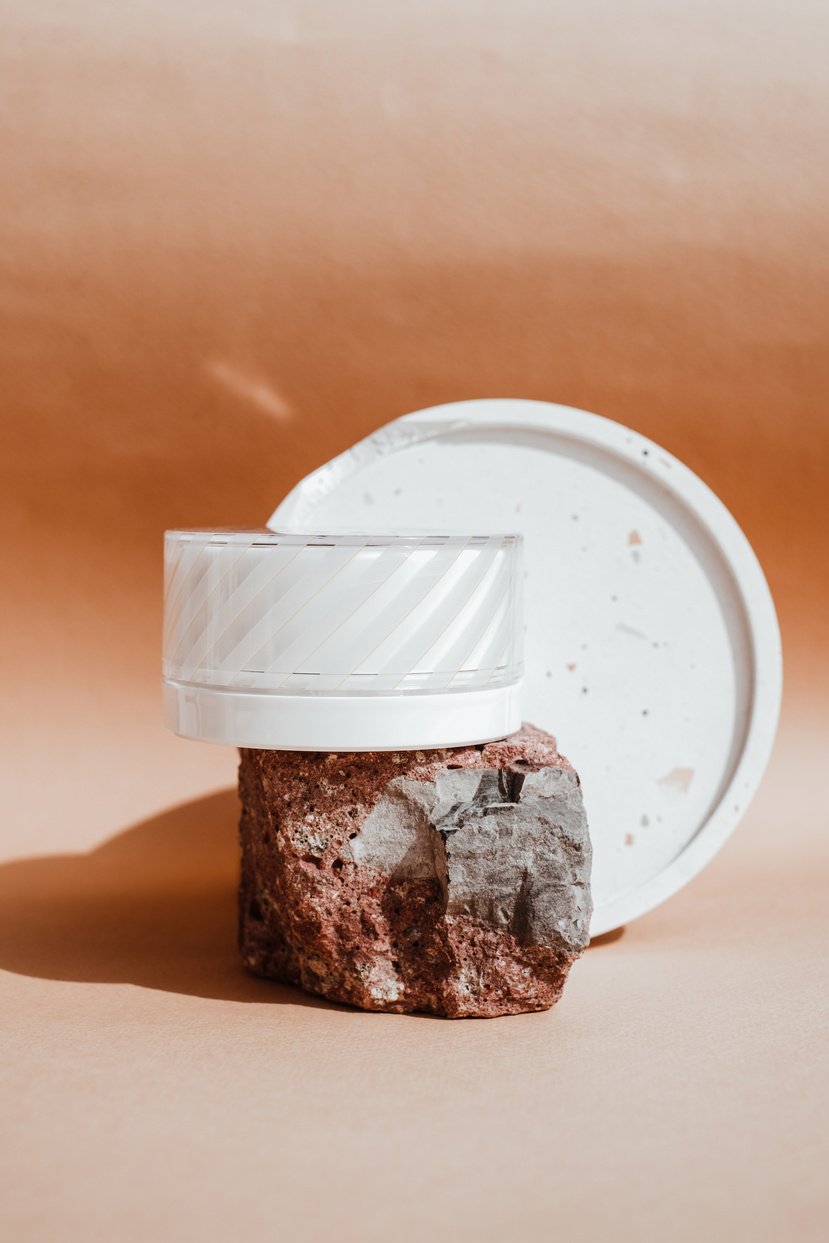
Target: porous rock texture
(455, 882)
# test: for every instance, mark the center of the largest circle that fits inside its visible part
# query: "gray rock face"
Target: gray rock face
(456, 881)
(508, 850)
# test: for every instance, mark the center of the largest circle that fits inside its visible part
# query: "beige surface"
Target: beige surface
(236, 238)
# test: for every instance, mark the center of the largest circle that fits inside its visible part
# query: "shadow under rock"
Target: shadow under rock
(153, 906)
(606, 938)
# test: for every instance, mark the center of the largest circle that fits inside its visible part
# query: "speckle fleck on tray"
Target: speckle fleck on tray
(631, 630)
(678, 779)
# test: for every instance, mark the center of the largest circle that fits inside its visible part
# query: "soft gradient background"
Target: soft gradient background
(235, 238)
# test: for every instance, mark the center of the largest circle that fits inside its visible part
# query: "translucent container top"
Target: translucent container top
(359, 617)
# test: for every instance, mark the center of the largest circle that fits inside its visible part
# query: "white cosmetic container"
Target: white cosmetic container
(344, 642)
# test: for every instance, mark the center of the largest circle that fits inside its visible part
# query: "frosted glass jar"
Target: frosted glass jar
(342, 642)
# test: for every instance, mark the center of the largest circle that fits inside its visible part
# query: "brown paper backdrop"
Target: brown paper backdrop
(235, 238)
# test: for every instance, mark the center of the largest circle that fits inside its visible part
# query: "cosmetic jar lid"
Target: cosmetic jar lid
(342, 642)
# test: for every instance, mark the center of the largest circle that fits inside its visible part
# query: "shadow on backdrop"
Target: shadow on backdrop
(154, 906)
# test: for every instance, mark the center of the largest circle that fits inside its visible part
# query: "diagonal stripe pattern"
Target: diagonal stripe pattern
(342, 614)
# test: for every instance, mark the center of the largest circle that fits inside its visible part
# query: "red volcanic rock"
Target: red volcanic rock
(455, 881)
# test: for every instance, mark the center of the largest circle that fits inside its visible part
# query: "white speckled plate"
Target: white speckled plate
(652, 647)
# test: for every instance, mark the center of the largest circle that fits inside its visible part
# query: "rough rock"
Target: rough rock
(455, 882)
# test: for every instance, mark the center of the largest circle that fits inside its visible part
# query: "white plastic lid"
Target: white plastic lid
(346, 642)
